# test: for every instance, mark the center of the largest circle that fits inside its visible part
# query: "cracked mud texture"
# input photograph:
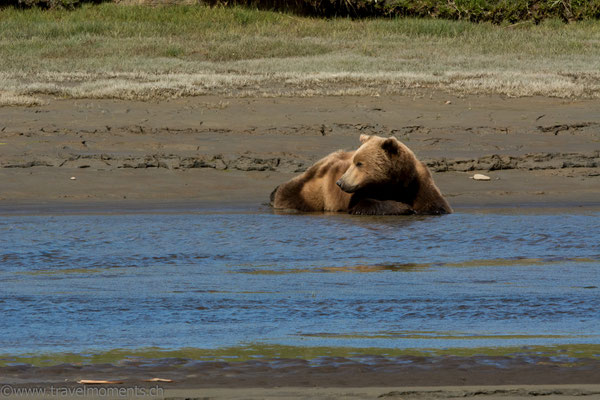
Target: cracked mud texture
(213, 149)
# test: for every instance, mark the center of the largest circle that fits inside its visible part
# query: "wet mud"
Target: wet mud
(546, 145)
(326, 372)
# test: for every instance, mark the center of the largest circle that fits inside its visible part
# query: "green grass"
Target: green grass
(136, 52)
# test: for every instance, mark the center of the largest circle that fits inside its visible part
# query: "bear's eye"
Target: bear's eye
(358, 164)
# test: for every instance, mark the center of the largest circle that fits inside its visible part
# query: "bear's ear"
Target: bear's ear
(363, 138)
(390, 146)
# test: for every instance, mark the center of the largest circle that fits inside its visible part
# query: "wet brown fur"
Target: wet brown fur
(382, 177)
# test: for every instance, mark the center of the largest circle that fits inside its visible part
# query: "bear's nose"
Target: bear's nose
(339, 183)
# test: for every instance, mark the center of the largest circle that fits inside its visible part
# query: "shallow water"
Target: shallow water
(210, 280)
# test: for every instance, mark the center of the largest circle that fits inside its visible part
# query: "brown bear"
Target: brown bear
(382, 177)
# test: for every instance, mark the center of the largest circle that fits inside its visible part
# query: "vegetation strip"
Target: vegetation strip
(147, 53)
(255, 351)
(496, 11)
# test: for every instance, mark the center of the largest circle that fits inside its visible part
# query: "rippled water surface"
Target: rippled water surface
(210, 280)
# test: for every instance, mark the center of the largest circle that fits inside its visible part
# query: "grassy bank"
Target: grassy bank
(134, 52)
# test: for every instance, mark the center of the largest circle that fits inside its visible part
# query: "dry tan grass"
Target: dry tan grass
(150, 53)
(144, 86)
(12, 99)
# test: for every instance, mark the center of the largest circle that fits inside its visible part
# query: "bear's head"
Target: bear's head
(378, 161)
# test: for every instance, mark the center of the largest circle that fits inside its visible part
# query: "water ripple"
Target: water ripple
(214, 280)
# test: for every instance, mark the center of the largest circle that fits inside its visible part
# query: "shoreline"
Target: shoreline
(162, 391)
(539, 152)
(325, 371)
(512, 391)
(551, 370)
(66, 208)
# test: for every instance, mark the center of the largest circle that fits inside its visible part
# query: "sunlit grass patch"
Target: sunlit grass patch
(11, 99)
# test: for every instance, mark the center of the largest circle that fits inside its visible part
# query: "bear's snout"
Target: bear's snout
(345, 187)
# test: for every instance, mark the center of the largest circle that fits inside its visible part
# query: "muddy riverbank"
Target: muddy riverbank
(212, 149)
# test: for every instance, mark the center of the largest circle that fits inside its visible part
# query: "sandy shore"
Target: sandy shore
(218, 151)
(365, 371)
(445, 392)
(450, 377)
(504, 392)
